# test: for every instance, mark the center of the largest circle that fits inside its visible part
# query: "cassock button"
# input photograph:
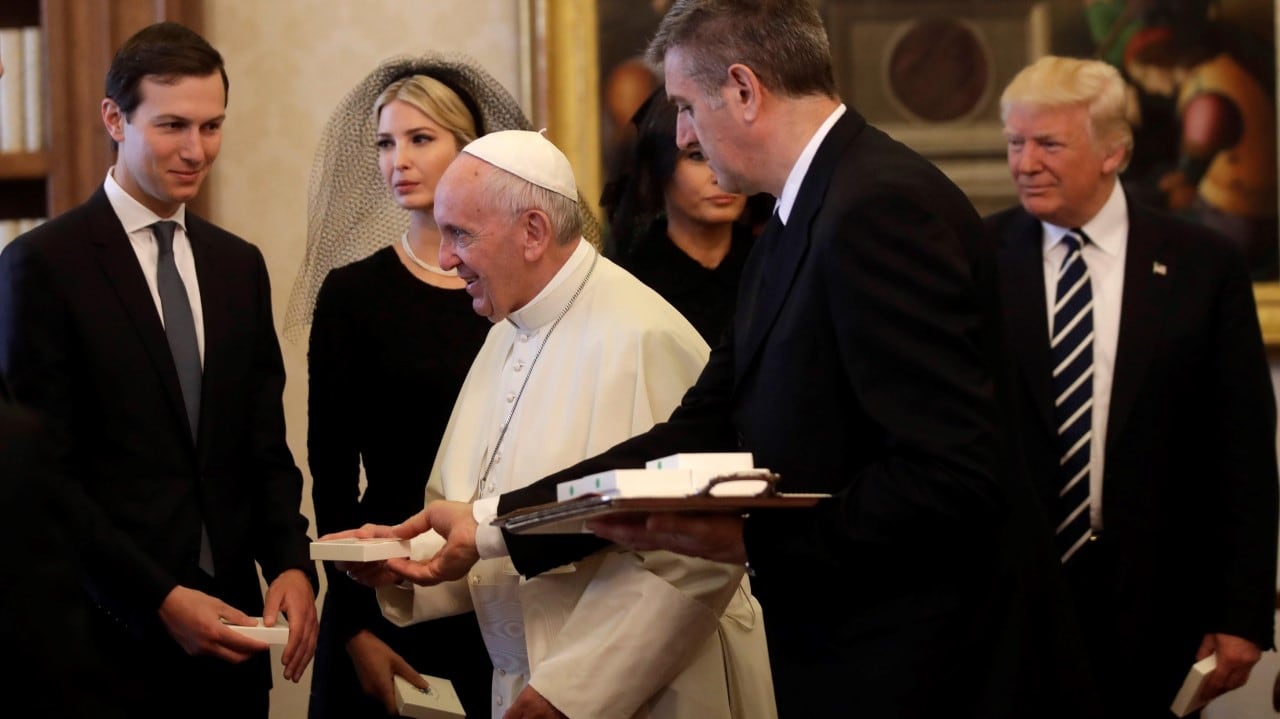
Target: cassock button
(519, 365)
(511, 396)
(502, 672)
(497, 458)
(498, 701)
(524, 338)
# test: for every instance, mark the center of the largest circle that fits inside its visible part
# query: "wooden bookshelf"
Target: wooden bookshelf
(80, 37)
(24, 166)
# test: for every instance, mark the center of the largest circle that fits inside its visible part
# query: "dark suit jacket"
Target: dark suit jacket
(81, 341)
(44, 618)
(861, 362)
(1190, 488)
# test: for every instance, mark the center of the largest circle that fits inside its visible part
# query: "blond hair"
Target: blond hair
(1053, 82)
(434, 99)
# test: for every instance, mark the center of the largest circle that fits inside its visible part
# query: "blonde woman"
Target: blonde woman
(391, 340)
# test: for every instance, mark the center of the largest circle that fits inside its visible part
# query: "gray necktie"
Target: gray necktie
(180, 328)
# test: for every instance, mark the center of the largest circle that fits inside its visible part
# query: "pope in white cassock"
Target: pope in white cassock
(581, 356)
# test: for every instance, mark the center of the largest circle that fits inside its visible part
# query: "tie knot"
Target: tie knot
(163, 231)
(1075, 238)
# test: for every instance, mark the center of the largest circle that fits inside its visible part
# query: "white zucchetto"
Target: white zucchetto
(529, 156)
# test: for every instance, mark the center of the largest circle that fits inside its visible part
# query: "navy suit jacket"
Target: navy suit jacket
(81, 341)
(1189, 497)
(862, 361)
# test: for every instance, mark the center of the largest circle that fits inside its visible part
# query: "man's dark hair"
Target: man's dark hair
(783, 41)
(167, 52)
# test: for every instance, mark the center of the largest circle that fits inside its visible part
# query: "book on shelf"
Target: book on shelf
(27, 224)
(8, 231)
(12, 91)
(32, 89)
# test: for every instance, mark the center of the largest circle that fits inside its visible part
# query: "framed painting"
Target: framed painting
(1202, 77)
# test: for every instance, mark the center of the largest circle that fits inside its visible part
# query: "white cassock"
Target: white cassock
(620, 634)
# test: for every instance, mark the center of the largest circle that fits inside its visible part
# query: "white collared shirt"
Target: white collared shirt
(1104, 256)
(796, 177)
(137, 220)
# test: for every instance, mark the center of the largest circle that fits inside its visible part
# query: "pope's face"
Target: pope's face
(485, 245)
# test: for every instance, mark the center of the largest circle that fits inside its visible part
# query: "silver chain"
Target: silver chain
(516, 403)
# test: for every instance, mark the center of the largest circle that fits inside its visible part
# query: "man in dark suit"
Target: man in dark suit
(144, 336)
(44, 618)
(1144, 397)
(861, 362)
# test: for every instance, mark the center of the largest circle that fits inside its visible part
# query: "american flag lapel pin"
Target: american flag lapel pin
(1159, 268)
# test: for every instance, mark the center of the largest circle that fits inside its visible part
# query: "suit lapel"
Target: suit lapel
(1142, 310)
(120, 265)
(774, 275)
(775, 266)
(1022, 271)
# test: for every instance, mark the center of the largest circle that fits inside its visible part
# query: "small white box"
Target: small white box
(279, 634)
(1189, 699)
(628, 483)
(359, 550)
(439, 701)
(722, 462)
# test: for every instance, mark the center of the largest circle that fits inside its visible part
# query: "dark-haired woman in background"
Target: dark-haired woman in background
(672, 226)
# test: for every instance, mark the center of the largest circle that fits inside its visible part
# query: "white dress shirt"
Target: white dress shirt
(1104, 255)
(137, 220)
(795, 178)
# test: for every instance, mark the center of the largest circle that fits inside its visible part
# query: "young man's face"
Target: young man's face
(171, 140)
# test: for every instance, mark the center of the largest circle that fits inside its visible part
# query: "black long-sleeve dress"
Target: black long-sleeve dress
(387, 357)
(706, 297)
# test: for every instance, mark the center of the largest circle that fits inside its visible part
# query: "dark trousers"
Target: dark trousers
(451, 648)
(1137, 676)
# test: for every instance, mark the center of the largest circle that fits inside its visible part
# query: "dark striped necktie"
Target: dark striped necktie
(1072, 350)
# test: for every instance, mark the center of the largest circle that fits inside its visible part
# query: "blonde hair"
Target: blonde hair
(434, 99)
(1053, 82)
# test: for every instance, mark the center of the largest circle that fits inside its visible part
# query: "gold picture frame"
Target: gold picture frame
(563, 81)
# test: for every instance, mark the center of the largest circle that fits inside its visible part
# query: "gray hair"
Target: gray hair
(506, 193)
(782, 41)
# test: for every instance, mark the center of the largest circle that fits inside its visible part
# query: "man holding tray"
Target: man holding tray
(581, 356)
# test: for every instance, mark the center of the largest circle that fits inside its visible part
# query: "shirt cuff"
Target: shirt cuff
(489, 540)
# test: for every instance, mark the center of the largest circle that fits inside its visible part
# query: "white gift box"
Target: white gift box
(438, 701)
(359, 550)
(279, 634)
